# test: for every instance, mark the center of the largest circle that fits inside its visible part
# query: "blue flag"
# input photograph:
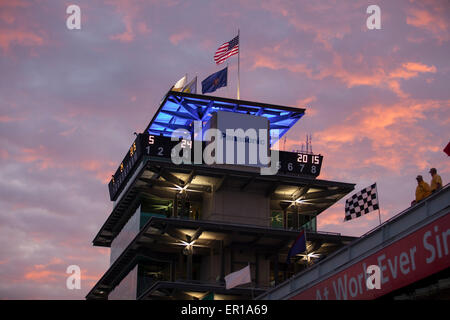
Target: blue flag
(299, 246)
(215, 81)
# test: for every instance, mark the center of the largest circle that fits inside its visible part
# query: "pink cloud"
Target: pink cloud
(376, 76)
(68, 132)
(14, 4)
(311, 111)
(143, 28)
(435, 21)
(7, 118)
(43, 274)
(10, 37)
(44, 159)
(395, 137)
(4, 154)
(311, 19)
(264, 61)
(39, 155)
(130, 11)
(101, 169)
(377, 73)
(180, 36)
(410, 70)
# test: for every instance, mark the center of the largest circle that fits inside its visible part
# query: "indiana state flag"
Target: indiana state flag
(215, 81)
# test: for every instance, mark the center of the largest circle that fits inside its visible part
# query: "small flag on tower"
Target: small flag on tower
(227, 50)
(215, 81)
(180, 84)
(447, 149)
(237, 278)
(191, 87)
(361, 203)
(299, 246)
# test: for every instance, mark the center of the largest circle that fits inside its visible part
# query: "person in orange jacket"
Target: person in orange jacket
(436, 180)
(423, 189)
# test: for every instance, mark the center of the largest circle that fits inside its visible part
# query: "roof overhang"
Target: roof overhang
(180, 109)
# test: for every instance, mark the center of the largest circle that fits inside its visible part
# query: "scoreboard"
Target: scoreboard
(291, 163)
(300, 163)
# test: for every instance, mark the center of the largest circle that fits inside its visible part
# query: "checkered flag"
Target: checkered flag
(361, 203)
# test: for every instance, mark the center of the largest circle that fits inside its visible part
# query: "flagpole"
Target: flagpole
(239, 53)
(379, 212)
(228, 87)
(253, 285)
(196, 81)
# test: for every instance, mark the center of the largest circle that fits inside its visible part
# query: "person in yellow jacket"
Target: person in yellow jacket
(423, 190)
(436, 180)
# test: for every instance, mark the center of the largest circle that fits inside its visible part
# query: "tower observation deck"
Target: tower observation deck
(176, 230)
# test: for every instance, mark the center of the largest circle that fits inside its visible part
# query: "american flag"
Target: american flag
(227, 50)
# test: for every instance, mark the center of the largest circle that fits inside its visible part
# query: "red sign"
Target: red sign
(414, 257)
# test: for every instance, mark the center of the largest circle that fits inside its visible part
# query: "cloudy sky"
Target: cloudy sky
(378, 107)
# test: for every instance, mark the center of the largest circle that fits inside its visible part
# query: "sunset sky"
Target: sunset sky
(377, 105)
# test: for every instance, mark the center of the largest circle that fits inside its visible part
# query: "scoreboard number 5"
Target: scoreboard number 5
(151, 140)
